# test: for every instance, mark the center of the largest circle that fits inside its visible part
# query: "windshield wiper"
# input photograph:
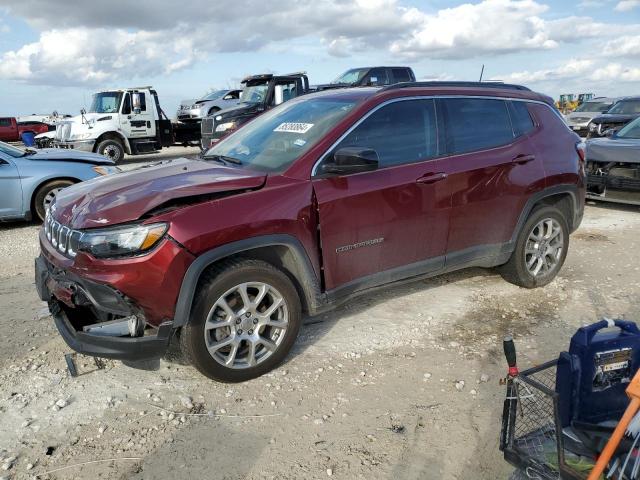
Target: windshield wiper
(29, 151)
(223, 159)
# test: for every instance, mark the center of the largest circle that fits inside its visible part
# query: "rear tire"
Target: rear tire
(111, 149)
(46, 194)
(540, 251)
(233, 339)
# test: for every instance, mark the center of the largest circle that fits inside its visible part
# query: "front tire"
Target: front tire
(245, 319)
(46, 194)
(111, 149)
(541, 249)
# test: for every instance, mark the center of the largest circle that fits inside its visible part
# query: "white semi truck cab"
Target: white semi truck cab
(122, 121)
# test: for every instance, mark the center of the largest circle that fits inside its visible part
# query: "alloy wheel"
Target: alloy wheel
(49, 198)
(246, 325)
(543, 249)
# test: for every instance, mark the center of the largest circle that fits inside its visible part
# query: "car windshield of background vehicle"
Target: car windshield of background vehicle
(106, 102)
(276, 139)
(351, 76)
(626, 107)
(214, 95)
(11, 150)
(631, 130)
(593, 107)
(254, 93)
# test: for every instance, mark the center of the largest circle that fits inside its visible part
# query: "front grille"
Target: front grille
(61, 237)
(207, 125)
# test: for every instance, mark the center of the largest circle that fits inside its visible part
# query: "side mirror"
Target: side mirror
(136, 104)
(350, 160)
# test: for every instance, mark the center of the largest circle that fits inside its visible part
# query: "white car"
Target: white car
(196, 110)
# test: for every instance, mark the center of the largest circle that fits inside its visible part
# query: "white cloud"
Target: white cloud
(627, 46)
(627, 5)
(571, 69)
(488, 27)
(617, 72)
(80, 55)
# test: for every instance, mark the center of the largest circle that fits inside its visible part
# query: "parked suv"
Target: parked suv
(621, 113)
(324, 197)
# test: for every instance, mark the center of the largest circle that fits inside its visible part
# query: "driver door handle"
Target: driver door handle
(523, 158)
(429, 178)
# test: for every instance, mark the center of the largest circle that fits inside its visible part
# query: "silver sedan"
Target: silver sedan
(196, 110)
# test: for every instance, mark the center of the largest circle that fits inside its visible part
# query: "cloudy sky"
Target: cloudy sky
(53, 54)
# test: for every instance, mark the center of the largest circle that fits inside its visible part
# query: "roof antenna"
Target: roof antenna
(481, 73)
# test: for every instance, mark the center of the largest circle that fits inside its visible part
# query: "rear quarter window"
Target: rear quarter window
(520, 118)
(474, 124)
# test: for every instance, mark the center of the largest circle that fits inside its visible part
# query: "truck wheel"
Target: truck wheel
(540, 250)
(245, 319)
(112, 149)
(46, 194)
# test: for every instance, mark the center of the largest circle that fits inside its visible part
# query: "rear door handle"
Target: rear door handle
(523, 158)
(431, 178)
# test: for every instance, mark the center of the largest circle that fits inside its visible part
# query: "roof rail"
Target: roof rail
(509, 86)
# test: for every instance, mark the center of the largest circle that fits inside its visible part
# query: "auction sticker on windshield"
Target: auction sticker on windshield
(293, 127)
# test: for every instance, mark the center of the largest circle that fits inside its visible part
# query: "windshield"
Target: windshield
(276, 139)
(630, 130)
(254, 93)
(106, 102)
(626, 107)
(352, 76)
(214, 95)
(593, 107)
(12, 151)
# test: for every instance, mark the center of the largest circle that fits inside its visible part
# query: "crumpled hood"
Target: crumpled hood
(68, 155)
(125, 197)
(613, 150)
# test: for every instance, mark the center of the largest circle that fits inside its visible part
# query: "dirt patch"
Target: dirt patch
(591, 237)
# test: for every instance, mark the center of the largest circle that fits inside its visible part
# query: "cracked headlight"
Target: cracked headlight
(122, 241)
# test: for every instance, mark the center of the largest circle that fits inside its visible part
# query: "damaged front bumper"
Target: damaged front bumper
(616, 182)
(81, 309)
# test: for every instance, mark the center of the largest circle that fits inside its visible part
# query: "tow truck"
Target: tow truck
(259, 94)
(123, 121)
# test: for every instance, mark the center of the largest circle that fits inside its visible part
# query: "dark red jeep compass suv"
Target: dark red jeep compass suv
(324, 197)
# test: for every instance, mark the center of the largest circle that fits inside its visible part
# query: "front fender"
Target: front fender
(306, 276)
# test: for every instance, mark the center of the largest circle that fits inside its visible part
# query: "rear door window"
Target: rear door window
(475, 124)
(520, 118)
(5, 122)
(401, 132)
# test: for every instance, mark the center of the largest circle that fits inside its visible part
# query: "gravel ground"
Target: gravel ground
(402, 384)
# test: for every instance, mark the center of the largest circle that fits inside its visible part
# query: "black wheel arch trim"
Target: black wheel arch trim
(308, 279)
(537, 197)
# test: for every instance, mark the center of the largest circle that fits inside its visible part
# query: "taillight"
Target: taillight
(581, 148)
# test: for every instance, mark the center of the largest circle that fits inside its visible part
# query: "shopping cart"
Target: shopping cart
(532, 438)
